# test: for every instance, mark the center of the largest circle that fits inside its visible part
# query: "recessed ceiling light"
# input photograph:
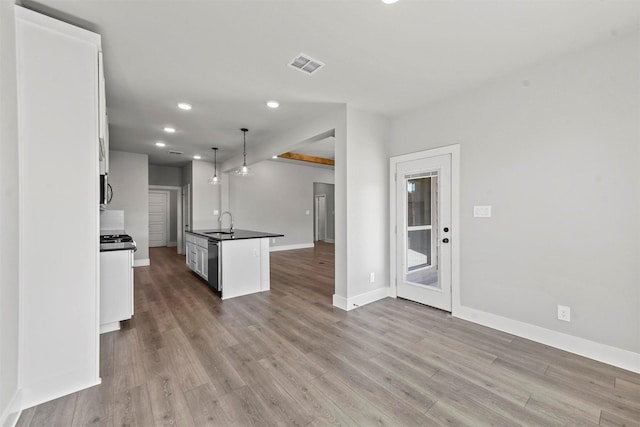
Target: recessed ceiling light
(389, 1)
(184, 106)
(197, 157)
(169, 129)
(160, 144)
(273, 104)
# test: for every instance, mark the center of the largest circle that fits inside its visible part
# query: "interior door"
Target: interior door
(158, 218)
(423, 231)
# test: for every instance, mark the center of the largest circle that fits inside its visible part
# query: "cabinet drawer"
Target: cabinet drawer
(202, 242)
(190, 238)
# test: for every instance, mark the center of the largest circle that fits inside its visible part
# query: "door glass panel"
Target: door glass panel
(421, 265)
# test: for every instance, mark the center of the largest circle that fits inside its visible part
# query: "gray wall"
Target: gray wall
(8, 216)
(276, 199)
(173, 215)
(320, 188)
(165, 175)
(129, 177)
(555, 150)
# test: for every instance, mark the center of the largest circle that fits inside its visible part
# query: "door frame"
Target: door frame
(178, 212)
(454, 151)
(185, 212)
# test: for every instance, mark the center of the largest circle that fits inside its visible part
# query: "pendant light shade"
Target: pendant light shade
(244, 169)
(214, 180)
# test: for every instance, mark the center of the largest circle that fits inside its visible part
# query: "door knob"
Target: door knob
(445, 240)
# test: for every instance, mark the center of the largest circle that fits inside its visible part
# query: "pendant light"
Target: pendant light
(244, 170)
(214, 180)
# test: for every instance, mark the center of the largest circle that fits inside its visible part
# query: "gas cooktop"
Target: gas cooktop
(114, 242)
(115, 238)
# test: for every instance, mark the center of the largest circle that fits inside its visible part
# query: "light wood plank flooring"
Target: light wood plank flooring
(287, 357)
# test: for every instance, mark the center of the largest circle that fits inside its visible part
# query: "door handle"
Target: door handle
(445, 240)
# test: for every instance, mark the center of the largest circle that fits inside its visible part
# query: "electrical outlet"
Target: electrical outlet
(372, 277)
(564, 313)
(216, 212)
(273, 240)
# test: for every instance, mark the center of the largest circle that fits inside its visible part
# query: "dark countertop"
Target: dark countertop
(215, 234)
(124, 246)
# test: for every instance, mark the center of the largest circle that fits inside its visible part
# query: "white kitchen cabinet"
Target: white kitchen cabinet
(116, 289)
(202, 256)
(203, 262)
(58, 140)
(198, 254)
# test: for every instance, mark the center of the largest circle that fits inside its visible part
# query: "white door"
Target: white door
(321, 217)
(158, 218)
(423, 233)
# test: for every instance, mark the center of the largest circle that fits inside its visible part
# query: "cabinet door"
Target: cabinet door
(188, 250)
(205, 263)
(198, 252)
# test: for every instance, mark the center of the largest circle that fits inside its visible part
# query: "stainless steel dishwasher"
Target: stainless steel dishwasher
(214, 267)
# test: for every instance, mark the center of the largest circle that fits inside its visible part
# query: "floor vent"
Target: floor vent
(306, 64)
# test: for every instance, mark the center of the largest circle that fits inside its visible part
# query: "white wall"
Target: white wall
(276, 199)
(9, 402)
(129, 178)
(205, 197)
(367, 198)
(555, 150)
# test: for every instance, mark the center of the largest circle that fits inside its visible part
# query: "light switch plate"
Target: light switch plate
(216, 212)
(482, 211)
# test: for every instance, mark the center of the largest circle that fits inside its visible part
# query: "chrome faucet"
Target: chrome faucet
(230, 219)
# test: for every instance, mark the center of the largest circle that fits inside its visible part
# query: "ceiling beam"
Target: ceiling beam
(306, 158)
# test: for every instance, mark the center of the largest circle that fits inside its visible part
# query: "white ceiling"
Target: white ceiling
(228, 58)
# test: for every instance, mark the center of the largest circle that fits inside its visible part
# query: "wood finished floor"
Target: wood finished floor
(287, 357)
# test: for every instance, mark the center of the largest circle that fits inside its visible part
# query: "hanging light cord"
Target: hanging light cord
(244, 145)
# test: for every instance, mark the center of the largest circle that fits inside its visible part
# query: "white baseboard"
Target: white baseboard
(360, 300)
(329, 241)
(290, 247)
(593, 350)
(12, 412)
(141, 262)
(170, 244)
(340, 302)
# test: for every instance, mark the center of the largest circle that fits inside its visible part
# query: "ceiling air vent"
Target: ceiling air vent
(306, 64)
(175, 152)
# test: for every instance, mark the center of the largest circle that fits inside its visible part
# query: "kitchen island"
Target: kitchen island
(233, 262)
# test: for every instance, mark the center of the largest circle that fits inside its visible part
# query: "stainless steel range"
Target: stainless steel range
(116, 242)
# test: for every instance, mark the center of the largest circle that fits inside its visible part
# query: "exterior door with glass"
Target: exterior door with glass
(423, 231)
